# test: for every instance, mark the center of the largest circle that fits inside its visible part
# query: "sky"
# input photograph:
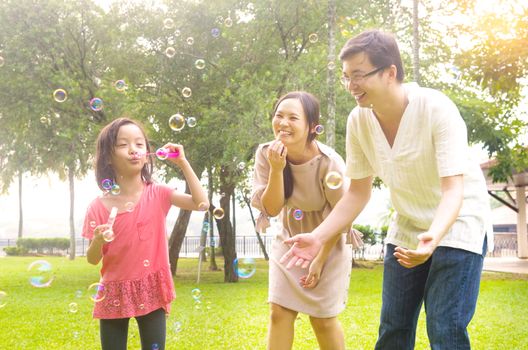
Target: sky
(46, 208)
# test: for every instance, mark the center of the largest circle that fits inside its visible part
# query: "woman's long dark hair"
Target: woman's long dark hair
(310, 105)
(104, 149)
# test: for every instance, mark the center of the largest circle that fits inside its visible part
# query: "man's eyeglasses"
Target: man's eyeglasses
(358, 78)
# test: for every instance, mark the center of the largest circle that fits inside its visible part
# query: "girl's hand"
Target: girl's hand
(314, 274)
(176, 148)
(277, 153)
(98, 233)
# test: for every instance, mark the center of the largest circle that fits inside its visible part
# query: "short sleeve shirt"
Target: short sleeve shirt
(135, 268)
(431, 143)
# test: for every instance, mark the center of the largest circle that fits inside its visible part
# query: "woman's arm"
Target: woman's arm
(273, 196)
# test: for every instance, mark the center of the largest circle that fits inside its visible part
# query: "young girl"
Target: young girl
(289, 180)
(135, 274)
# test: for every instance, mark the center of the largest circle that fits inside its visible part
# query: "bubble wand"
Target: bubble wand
(108, 234)
(161, 153)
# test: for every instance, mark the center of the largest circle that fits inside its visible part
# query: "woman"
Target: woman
(290, 181)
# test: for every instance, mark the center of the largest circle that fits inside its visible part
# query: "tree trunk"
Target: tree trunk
(178, 235)
(233, 207)
(225, 230)
(416, 43)
(212, 262)
(71, 180)
(203, 242)
(20, 212)
(330, 78)
(261, 243)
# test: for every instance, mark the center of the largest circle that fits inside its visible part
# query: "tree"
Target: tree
(416, 43)
(47, 46)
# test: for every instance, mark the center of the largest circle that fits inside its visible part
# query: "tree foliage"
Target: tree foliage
(237, 58)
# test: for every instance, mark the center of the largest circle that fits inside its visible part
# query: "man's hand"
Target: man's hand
(410, 258)
(305, 247)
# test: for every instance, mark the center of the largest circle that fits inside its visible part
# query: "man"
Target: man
(415, 140)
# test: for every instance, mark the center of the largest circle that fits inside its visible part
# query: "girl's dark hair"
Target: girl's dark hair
(380, 47)
(310, 105)
(105, 146)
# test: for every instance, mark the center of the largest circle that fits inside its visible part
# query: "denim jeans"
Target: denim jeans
(448, 284)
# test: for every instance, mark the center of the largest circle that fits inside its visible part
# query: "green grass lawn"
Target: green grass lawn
(231, 316)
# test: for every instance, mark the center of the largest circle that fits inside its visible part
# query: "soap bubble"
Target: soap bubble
(107, 184)
(96, 104)
(120, 85)
(60, 95)
(170, 52)
(162, 153)
(186, 92)
(215, 32)
(196, 293)
(199, 64)
(298, 214)
(96, 292)
(176, 122)
(168, 23)
(41, 274)
(333, 180)
(191, 122)
(246, 267)
(218, 213)
(108, 235)
(73, 307)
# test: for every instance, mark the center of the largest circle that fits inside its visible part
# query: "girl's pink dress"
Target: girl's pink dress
(135, 271)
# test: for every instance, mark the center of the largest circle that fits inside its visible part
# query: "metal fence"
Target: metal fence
(248, 246)
(505, 245)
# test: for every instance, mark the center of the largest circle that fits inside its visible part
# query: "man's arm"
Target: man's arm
(452, 188)
(306, 246)
(346, 210)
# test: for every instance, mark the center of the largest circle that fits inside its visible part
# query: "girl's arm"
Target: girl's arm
(94, 254)
(197, 200)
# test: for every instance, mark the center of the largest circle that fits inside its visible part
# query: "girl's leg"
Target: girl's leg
(329, 333)
(152, 330)
(280, 331)
(114, 334)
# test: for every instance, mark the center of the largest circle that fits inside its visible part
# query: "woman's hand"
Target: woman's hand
(304, 248)
(277, 155)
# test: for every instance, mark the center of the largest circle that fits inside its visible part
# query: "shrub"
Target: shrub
(12, 251)
(42, 245)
